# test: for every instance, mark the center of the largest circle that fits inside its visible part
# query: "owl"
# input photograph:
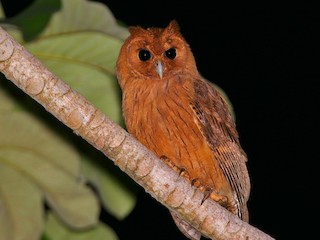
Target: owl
(178, 115)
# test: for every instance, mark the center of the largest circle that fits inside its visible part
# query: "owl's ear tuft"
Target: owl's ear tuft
(173, 27)
(135, 29)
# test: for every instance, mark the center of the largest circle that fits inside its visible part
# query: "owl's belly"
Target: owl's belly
(168, 127)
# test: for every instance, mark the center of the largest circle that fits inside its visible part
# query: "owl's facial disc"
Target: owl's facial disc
(159, 68)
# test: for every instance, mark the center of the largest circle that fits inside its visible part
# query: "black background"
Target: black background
(266, 58)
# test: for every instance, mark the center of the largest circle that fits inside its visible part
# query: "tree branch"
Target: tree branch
(161, 182)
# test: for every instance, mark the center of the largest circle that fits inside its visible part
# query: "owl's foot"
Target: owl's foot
(207, 191)
(210, 193)
(169, 163)
(196, 183)
(221, 199)
(182, 171)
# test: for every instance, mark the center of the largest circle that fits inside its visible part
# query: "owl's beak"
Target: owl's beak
(159, 68)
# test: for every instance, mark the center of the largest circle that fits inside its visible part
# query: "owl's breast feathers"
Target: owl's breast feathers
(187, 121)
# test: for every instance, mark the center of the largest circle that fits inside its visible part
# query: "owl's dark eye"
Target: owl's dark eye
(170, 53)
(144, 55)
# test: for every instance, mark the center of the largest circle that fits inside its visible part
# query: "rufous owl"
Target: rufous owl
(177, 114)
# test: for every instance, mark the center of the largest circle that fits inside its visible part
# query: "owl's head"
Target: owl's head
(154, 54)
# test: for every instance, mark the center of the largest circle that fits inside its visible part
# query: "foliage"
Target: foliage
(45, 170)
(42, 163)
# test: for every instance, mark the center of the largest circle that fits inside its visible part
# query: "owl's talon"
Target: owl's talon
(184, 173)
(196, 182)
(207, 192)
(167, 161)
(222, 200)
(182, 170)
(164, 158)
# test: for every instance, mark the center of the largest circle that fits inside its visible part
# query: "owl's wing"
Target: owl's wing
(217, 125)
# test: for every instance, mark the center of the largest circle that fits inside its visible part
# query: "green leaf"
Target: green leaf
(6, 102)
(51, 164)
(86, 61)
(117, 195)
(2, 15)
(21, 215)
(23, 132)
(80, 44)
(54, 230)
(35, 18)
(10, 28)
(14, 32)
(82, 15)
(83, 52)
